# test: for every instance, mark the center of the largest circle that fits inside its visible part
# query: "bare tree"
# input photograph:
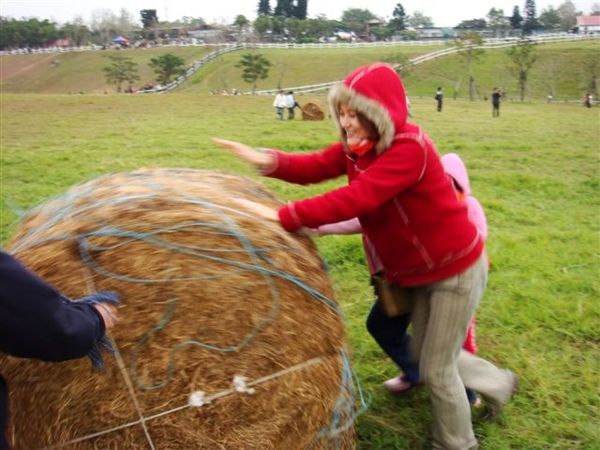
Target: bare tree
(553, 71)
(567, 14)
(281, 69)
(523, 58)
(591, 68)
(105, 23)
(77, 31)
(469, 48)
(498, 22)
(418, 19)
(125, 22)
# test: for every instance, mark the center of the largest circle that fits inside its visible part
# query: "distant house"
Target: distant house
(588, 24)
(366, 33)
(62, 43)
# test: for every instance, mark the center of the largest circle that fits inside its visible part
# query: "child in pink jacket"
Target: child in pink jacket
(455, 168)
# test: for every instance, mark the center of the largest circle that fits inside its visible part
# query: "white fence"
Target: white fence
(558, 37)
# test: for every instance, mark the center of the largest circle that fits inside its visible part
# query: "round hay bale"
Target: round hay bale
(313, 110)
(227, 338)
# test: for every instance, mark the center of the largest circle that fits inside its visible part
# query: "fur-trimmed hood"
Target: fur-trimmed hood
(375, 91)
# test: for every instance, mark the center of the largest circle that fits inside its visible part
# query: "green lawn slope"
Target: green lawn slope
(80, 72)
(560, 69)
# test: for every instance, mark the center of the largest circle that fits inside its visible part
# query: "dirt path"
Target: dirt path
(8, 71)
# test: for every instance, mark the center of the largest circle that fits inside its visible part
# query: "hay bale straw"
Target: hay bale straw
(313, 110)
(208, 293)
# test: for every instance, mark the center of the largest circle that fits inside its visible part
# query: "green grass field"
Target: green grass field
(534, 169)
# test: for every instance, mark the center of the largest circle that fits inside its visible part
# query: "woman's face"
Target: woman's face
(351, 124)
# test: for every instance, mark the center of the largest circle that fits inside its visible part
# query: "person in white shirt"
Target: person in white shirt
(280, 103)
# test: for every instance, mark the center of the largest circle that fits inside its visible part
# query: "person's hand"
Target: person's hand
(258, 209)
(259, 159)
(108, 313)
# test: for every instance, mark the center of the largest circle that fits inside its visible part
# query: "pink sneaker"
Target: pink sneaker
(398, 385)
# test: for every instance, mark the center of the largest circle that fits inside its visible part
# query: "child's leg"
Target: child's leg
(471, 346)
(390, 334)
(473, 398)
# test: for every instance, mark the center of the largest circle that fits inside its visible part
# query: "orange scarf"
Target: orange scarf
(362, 147)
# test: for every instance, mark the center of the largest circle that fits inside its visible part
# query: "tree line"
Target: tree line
(288, 19)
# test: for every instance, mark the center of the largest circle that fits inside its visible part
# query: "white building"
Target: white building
(588, 24)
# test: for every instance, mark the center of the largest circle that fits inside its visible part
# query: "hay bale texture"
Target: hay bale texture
(208, 293)
(313, 110)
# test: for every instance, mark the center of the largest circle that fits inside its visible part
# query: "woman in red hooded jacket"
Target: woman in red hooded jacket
(408, 209)
(386, 330)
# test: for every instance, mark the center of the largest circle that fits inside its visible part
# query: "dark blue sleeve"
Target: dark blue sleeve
(35, 321)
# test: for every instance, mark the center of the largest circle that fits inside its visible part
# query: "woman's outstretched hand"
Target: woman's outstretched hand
(258, 209)
(259, 159)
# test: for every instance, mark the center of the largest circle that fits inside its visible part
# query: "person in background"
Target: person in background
(291, 104)
(588, 100)
(280, 103)
(428, 247)
(37, 322)
(439, 97)
(496, 95)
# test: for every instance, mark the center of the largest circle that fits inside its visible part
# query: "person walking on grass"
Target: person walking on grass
(291, 104)
(428, 247)
(496, 95)
(280, 104)
(439, 98)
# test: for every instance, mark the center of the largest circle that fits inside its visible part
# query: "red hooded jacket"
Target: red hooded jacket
(400, 192)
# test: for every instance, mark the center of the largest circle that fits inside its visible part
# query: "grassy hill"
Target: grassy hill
(534, 169)
(80, 71)
(560, 68)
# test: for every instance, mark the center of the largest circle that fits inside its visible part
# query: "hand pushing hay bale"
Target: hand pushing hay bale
(227, 335)
(313, 110)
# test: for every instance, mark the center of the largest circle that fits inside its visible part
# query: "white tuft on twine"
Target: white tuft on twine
(240, 384)
(198, 399)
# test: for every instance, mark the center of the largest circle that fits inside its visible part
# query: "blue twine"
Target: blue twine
(345, 411)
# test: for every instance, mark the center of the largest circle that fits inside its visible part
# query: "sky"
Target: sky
(442, 12)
